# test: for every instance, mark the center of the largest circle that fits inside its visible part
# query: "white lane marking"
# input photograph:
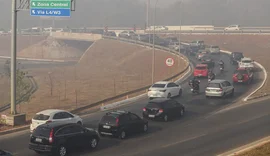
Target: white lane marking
(185, 140)
(86, 51)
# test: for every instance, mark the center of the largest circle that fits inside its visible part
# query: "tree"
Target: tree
(22, 85)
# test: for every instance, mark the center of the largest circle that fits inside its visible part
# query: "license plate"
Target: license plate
(151, 116)
(200, 74)
(107, 127)
(240, 81)
(38, 140)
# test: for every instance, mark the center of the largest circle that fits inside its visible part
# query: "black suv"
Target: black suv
(59, 139)
(4, 153)
(121, 123)
(164, 109)
(235, 57)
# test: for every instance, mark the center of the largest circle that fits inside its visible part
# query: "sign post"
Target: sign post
(53, 8)
(169, 62)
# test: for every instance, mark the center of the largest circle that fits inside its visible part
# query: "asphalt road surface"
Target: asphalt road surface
(194, 134)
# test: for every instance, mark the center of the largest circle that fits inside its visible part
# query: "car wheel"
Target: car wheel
(223, 95)
(122, 135)
(93, 143)
(169, 95)
(166, 118)
(182, 112)
(145, 127)
(180, 92)
(79, 122)
(232, 93)
(62, 150)
(39, 152)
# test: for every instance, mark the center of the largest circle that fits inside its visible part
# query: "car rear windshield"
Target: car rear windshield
(201, 68)
(241, 72)
(159, 85)
(42, 131)
(109, 119)
(153, 105)
(41, 117)
(214, 85)
(246, 61)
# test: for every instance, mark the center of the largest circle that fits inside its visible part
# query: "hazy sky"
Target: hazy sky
(129, 12)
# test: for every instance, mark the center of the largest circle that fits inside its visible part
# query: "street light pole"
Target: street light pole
(13, 57)
(180, 27)
(154, 49)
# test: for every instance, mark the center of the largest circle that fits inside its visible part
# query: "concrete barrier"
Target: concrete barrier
(76, 36)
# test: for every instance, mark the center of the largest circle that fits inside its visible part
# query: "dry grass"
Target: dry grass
(22, 43)
(109, 68)
(259, 151)
(255, 46)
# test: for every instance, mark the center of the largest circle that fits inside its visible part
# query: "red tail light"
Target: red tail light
(144, 109)
(117, 122)
(48, 121)
(51, 137)
(160, 111)
(220, 89)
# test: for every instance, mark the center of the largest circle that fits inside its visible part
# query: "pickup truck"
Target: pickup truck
(246, 63)
(242, 75)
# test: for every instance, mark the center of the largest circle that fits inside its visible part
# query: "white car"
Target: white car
(53, 115)
(219, 88)
(127, 34)
(164, 89)
(214, 50)
(232, 27)
(157, 28)
(247, 63)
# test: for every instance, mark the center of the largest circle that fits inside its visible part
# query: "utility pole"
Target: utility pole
(147, 12)
(154, 49)
(13, 57)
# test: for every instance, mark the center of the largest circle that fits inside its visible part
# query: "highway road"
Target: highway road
(191, 135)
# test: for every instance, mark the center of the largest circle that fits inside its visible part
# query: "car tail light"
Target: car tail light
(117, 121)
(51, 137)
(160, 111)
(163, 90)
(144, 109)
(220, 89)
(48, 121)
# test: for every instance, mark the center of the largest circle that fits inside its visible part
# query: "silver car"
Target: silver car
(219, 88)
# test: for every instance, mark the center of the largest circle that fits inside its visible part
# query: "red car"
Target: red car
(242, 75)
(201, 70)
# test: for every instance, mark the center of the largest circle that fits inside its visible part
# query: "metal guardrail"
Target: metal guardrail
(31, 91)
(136, 90)
(210, 32)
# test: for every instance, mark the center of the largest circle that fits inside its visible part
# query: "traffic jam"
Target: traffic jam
(59, 132)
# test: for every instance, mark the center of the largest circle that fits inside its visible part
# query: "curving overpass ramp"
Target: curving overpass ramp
(195, 134)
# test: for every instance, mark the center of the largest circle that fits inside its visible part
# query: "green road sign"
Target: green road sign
(60, 4)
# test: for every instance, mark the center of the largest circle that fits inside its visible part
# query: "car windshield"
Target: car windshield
(214, 85)
(246, 61)
(240, 72)
(42, 131)
(158, 85)
(153, 105)
(41, 117)
(109, 119)
(201, 68)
